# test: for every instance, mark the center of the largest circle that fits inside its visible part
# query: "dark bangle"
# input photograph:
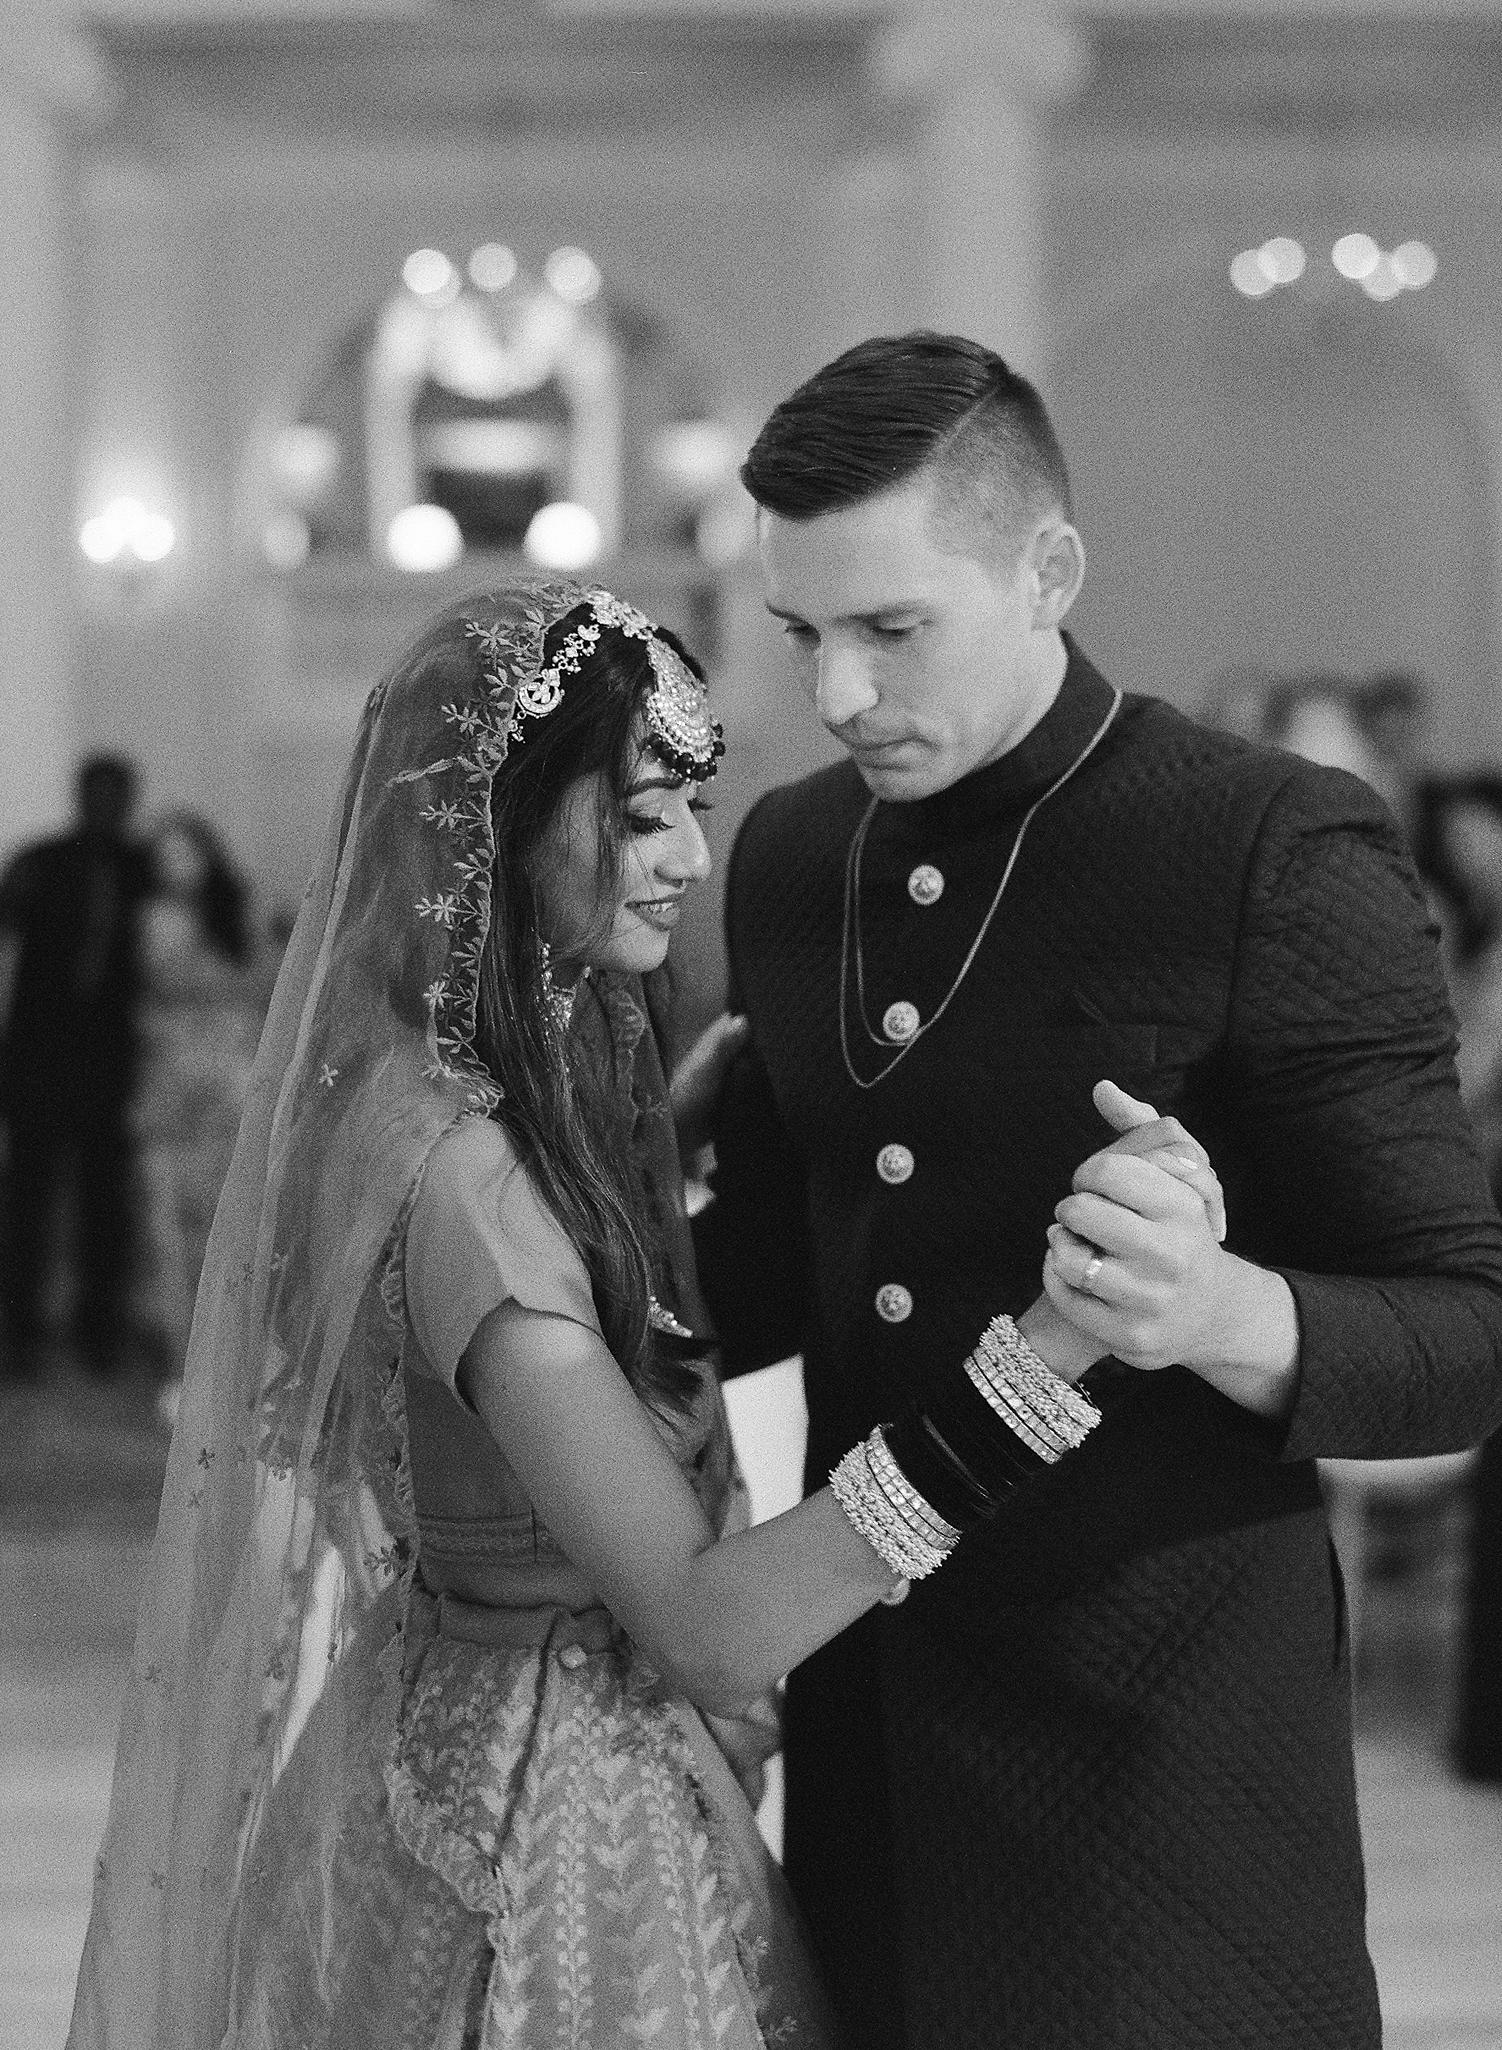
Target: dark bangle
(939, 1471)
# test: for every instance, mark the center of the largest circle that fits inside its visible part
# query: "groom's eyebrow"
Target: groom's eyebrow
(869, 618)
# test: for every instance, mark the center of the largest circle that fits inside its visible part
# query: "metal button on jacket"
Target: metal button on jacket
(926, 884)
(894, 1303)
(894, 1163)
(900, 1020)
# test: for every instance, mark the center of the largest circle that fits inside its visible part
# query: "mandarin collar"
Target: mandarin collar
(1024, 771)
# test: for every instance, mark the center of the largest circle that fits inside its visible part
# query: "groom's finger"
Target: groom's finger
(1120, 1111)
(1139, 1126)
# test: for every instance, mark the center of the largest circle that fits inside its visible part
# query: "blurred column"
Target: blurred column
(980, 78)
(49, 79)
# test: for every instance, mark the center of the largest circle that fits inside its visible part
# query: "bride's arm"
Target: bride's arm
(722, 1619)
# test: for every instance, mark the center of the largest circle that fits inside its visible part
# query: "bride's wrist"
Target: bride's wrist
(1063, 1347)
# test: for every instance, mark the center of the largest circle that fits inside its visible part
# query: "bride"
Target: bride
(455, 1660)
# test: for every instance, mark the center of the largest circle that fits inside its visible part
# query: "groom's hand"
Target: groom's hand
(699, 1078)
(1135, 1260)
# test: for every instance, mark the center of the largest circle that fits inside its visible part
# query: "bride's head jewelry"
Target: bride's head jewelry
(680, 729)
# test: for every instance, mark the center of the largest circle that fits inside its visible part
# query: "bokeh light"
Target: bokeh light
(1355, 256)
(429, 274)
(1281, 260)
(1415, 264)
(492, 266)
(127, 527)
(562, 535)
(695, 457)
(424, 538)
(574, 275)
(154, 538)
(1382, 280)
(306, 458)
(1248, 276)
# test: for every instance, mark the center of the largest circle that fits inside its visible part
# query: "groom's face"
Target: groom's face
(923, 662)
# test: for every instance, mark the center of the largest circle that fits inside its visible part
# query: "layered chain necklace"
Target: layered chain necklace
(850, 924)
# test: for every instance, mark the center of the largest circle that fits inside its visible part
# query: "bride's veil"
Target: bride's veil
(269, 1624)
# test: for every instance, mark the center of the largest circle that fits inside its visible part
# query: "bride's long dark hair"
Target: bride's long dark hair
(565, 1116)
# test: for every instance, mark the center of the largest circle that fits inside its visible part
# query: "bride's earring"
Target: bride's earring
(560, 1001)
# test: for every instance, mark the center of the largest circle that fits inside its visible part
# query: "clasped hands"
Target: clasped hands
(1136, 1261)
(1136, 1248)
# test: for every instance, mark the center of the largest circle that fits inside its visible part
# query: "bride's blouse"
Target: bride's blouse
(480, 1236)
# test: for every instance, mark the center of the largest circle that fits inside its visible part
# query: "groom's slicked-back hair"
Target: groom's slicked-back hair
(900, 404)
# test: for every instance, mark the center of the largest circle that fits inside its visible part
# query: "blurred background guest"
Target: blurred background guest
(68, 912)
(1459, 847)
(200, 1018)
(1236, 700)
(1374, 726)
(1478, 1721)
(1319, 718)
(1393, 707)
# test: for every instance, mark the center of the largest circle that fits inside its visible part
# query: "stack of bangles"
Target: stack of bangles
(914, 1487)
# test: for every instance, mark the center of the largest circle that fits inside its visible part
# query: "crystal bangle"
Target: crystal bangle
(1036, 1403)
(873, 1513)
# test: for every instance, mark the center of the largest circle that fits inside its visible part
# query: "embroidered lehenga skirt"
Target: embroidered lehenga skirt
(553, 1852)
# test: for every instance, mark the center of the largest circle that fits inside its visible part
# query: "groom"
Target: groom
(1091, 1785)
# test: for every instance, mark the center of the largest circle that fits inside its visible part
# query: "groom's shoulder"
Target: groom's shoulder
(1168, 743)
(1198, 772)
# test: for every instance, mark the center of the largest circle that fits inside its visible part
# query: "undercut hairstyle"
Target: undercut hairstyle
(900, 406)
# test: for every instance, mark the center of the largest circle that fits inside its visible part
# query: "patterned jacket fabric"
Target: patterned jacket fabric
(1092, 1784)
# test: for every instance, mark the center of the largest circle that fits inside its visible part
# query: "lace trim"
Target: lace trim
(394, 1416)
(471, 1875)
(455, 802)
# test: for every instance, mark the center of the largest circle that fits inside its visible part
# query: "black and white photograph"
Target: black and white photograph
(751, 1025)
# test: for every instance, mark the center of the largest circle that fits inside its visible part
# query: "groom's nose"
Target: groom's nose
(844, 689)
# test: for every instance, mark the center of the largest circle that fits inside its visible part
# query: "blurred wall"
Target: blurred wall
(1306, 478)
(239, 220)
(769, 192)
(1310, 478)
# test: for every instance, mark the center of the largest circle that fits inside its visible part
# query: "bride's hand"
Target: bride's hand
(1166, 1143)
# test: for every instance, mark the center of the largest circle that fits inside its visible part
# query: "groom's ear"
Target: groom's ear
(1056, 573)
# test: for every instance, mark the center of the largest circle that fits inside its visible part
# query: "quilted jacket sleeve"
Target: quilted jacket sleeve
(1342, 1086)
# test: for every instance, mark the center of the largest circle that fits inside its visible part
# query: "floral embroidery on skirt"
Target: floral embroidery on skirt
(553, 1855)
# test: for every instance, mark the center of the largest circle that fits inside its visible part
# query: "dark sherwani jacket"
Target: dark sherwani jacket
(1090, 1787)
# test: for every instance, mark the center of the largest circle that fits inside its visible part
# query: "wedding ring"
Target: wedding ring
(1092, 1267)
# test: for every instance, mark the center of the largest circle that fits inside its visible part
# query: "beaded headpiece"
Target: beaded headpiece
(680, 728)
